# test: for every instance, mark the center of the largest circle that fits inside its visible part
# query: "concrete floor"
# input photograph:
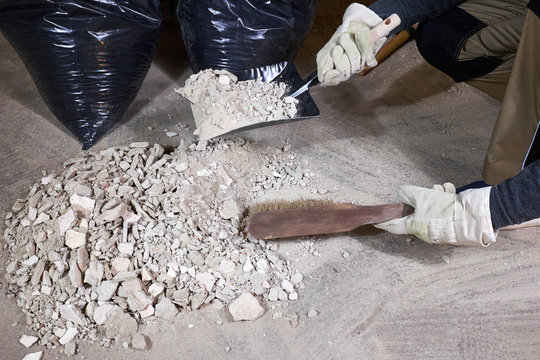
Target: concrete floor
(401, 124)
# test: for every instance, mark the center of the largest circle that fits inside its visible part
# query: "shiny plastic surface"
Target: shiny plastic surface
(87, 58)
(237, 35)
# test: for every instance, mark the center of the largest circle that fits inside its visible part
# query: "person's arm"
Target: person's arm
(351, 48)
(412, 11)
(516, 200)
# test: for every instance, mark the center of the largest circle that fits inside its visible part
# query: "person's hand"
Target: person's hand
(351, 48)
(442, 217)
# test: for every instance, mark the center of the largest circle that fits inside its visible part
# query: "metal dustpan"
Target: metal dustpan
(284, 72)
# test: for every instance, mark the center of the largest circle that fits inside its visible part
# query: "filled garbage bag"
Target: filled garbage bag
(238, 35)
(88, 58)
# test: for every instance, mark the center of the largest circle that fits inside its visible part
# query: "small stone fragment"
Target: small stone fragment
(297, 278)
(119, 265)
(28, 340)
(156, 289)
(66, 221)
(207, 280)
(69, 335)
(312, 313)
(82, 205)
(101, 312)
(31, 261)
(246, 307)
(229, 210)
(94, 273)
(120, 325)
(166, 309)
(72, 313)
(74, 239)
(106, 290)
(33, 356)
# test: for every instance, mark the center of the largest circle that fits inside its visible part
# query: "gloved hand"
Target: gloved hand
(350, 49)
(442, 217)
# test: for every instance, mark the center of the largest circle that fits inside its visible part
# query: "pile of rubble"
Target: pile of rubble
(131, 234)
(220, 103)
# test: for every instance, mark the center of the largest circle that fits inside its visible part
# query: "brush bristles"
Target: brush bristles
(285, 204)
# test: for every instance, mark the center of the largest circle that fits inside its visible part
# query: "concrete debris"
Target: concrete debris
(131, 233)
(28, 340)
(312, 313)
(166, 309)
(75, 239)
(140, 342)
(246, 307)
(69, 335)
(120, 325)
(33, 356)
(82, 205)
(101, 312)
(221, 103)
(73, 314)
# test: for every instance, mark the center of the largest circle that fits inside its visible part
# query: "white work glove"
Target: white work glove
(350, 49)
(442, 217)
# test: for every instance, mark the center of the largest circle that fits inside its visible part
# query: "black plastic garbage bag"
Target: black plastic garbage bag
(87, 58)
(237, 35)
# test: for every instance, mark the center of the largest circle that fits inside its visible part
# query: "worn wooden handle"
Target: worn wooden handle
(323, 219)
(392, 45)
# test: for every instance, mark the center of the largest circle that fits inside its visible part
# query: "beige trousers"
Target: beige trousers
(512, 34)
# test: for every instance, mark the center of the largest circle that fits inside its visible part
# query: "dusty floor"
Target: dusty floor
(403, 123)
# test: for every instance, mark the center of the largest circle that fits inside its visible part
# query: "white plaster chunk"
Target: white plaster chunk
(28, 340)
(119, 265)
(229, 210)
(138, 300)
(206, 279)
(120, 325)
(147, 312)
(31, 261)
(94, 273)
(126, 248)
(130, 218)
(246, 307)
(82, 205)
(101, 313)
(226, 267)
(248, 266)
(287, 286)
(69, 335)
(156, 289)
(72, 313)
(166, 309)
(297, 278)
(74, 239)
(111, 214)
(106, 290)
(33, 356)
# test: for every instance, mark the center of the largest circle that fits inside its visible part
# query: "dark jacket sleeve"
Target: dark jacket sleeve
(516, 200)
(413, 11)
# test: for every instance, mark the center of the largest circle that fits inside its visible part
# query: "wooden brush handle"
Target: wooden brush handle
(324, 219)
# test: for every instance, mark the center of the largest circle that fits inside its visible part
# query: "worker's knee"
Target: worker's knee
(440, 41)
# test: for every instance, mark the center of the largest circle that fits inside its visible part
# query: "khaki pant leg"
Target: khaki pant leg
(520, 110)
(500, 38)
